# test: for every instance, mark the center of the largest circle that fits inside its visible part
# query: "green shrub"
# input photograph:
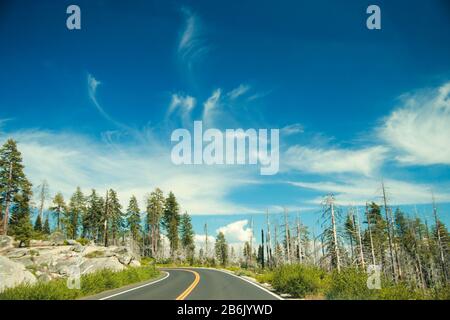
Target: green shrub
(299, 280)
(83, 241)
(400, 291)
(350, 284)
(90, 284)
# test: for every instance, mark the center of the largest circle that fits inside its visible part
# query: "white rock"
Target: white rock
(97, 264)
(13, 274)
(6, 243)
(134, 263)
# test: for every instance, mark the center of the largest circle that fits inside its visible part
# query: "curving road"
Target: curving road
(192, 284)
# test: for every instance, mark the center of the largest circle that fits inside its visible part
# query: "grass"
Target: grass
(90, 284)
(95, 254)
(300, 281)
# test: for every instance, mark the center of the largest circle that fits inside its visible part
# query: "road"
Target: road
(192, 284)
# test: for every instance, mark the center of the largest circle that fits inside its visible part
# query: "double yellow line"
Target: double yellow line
(186, 292)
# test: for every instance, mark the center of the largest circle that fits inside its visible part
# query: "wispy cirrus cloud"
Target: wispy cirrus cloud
(210, 107)
(292, 129)
(419, 130)
(361, 190)
(365, 161)
(239, 91)
(192, 43)
(67, 160)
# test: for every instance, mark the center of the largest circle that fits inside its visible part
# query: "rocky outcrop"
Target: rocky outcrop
(13, 273)
(45, 263)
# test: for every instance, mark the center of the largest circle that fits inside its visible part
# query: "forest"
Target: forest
(412, 253)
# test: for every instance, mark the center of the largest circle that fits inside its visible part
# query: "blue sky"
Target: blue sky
(95, 107)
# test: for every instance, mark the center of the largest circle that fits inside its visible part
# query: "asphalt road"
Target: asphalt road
(192, 284)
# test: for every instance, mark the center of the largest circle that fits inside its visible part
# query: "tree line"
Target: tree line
(407, 248)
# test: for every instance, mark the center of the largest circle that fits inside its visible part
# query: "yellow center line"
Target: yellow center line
(186, 292)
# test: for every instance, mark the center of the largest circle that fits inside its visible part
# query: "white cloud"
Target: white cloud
(362, 161)
(239, 91)
(292, 129)
(236, 231)
(180, 101)
(68, 160)
(192, 43)
(358, 191)
(419, 130)
(210, 106)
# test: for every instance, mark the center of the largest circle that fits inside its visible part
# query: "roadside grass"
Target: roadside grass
(301, 281)
(90, 284)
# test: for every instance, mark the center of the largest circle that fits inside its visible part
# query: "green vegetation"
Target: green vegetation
(300, 281)
(90, 284)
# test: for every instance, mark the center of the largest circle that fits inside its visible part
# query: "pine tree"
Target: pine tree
(20, 222)
(170, 221)
(58, 209)
(134, 218)
(12, 179)
(155, 212)
(221, 249)
(114, 216)
(46, 227)
(74, 214)
(187, 236)
(38, 224)
(92, 220)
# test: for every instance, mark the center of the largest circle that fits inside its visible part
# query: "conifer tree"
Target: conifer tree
(46, 227)
(221, 248)
(171, 220)
(155, 212)
(58, 209)
(92, 220)
(74, 214)
(134, 218)
(38, 224)
(20, 222)
(12, 179)
(187, 236)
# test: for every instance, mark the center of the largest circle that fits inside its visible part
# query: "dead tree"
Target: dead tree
(358, 233)
(287, 238)
(390, 235)
(439, 238)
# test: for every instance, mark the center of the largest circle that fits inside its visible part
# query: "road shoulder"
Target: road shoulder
(114, 292)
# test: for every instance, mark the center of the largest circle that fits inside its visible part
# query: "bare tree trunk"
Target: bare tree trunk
(105, 236)
(299, 240)
(388, 221)
(286, 233)
(358, 228)
(441, 250)
(268, 241)
(335, 238)
(370, 236)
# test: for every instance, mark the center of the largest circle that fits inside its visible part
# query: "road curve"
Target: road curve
(192, 284)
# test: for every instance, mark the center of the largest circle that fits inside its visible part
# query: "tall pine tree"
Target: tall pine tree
(171, 220)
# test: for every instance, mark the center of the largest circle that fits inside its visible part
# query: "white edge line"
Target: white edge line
(144, 285)
(251, 282)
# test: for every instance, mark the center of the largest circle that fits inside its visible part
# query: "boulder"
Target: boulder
(124, 258)
(13, 274)
(97, 264)
(134, 263)
(57, 238)
(16, 253)
(6, 243)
